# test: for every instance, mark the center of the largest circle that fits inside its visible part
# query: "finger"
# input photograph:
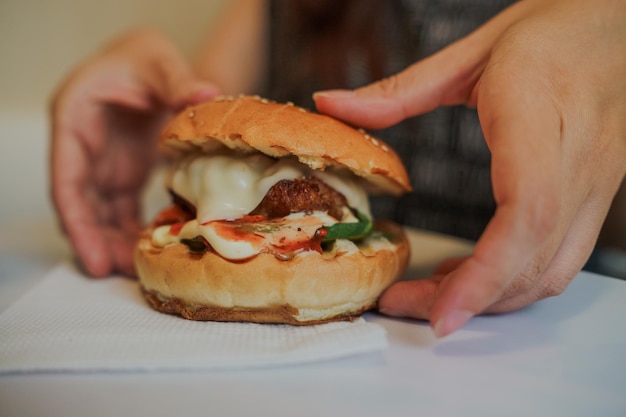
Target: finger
(121, 245)
(523, 134)
(181, 92)
(420, 88)
(76, 214)
(103, 242)
(72, 197)
(574, 249)
(118, 211)
(410, 298)
(170, 76)
(84, 232)
(172, 84)
(449, 265)
(445, 78)
(144, 69)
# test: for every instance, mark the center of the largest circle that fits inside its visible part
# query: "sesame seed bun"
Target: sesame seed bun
(249, 124)
(310, 287)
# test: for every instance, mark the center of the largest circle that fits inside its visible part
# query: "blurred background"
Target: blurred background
(40, 42)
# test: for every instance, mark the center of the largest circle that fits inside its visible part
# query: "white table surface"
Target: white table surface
(562, 356)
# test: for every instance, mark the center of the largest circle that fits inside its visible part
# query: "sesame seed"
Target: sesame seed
(385, 148)
(375, 142)
(191, 114)
(361, 130)
(264, 101)
(290, 104)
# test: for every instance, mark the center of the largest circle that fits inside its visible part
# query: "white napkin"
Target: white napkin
(73, 323)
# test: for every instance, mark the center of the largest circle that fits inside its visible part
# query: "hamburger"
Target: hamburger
(270, 219)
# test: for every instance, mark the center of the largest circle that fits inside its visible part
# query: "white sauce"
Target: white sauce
(227, 186)
(297, 227)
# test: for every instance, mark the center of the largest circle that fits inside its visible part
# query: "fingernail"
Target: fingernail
(451, 322)
(334, 94)
(202, 93)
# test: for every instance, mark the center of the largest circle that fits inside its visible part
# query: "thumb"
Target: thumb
(445, 78)
(168, 76)
(144, 70)
(193, 91)
(448, 77)
(417, 89)
(174, 84)
(413, 298)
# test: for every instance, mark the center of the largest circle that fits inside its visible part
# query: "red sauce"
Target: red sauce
(289, 251)
(176, 228)
(235, 230)
(250, 218)
(170, 215)
(248, 228)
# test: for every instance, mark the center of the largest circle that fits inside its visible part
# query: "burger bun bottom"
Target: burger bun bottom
(311, 288)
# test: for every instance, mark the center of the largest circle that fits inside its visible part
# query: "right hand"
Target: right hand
(557, 139)
(105, 121)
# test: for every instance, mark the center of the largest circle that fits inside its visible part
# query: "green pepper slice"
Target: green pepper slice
(196, 244)
(351, 231)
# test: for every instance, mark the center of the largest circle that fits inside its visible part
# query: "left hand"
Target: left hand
(548, 79)
(105, 120)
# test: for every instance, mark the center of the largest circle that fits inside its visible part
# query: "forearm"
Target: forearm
(234, 55)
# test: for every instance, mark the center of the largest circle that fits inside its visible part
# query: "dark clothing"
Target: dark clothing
(361, 41)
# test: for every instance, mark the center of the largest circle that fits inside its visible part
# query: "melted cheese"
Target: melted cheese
(228, 186)
(242, 240)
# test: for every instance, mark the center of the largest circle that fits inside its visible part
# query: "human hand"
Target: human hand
(105, 119)
(548, 79)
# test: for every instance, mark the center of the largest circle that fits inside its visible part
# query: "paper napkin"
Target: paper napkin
(74, 323)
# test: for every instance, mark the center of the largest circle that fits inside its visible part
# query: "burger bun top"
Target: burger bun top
(253, 124)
